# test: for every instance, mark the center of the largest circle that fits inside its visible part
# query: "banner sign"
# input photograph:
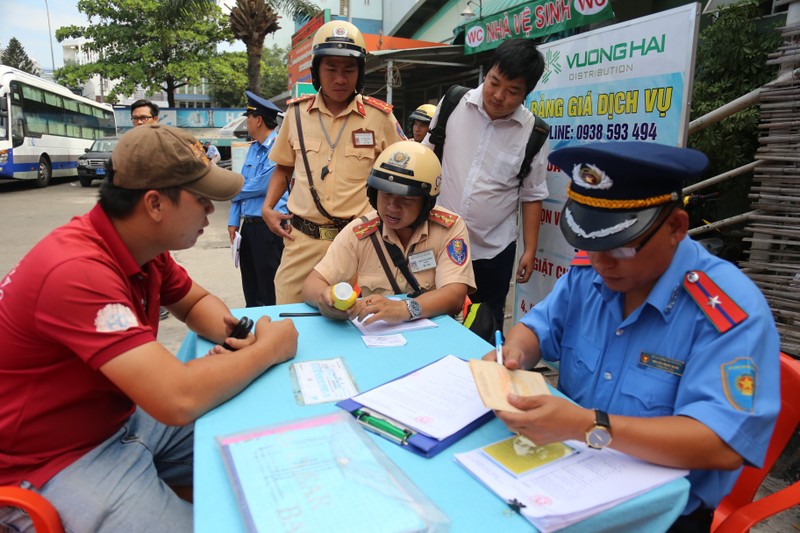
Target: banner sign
(532, 20)
(299, 67)
(627, 82)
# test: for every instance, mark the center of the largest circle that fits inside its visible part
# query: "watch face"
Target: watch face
(414, 308)
(598, 438)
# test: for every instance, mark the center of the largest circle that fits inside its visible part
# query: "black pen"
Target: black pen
(291, 315)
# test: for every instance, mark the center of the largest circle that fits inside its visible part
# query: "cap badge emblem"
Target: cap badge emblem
(200, 152)
(340, 32)
(400, 159)
(590, 177)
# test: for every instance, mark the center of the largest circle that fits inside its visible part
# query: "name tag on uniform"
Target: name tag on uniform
(422, 261)
(363, 138)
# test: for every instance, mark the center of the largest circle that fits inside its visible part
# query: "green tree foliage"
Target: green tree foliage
(14, 56)
(228, 76)
(141, 43)
(731, 61)
(274, 71)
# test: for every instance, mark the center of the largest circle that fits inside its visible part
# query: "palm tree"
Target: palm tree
(251, 22)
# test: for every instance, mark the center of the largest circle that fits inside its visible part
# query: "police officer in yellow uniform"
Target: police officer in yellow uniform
(327, 143)
(426, 250)
(421, 121)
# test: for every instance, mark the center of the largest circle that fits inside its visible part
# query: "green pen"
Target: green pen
(380, 424)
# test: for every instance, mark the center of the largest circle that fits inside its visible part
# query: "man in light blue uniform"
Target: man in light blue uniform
(260, 250)
(670, 353)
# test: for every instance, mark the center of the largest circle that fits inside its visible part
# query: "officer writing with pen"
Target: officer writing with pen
(670, 354)
(406, 246)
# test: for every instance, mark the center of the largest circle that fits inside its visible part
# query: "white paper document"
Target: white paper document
(383, 341)
(381, 327)
(571, 489)
(324, 381)
(235, 245)
(437, 400)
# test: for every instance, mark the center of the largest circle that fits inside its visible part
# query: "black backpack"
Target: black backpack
(452, 97)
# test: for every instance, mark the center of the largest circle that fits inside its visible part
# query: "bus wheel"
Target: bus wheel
(45, 172)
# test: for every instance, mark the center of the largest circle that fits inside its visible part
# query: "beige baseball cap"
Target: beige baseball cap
(155, 156)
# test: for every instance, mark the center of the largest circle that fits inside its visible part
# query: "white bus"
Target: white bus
(44, 127)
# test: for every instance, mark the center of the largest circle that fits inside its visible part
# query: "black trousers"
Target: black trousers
(492, 276)
(259, 256)
(698, 521)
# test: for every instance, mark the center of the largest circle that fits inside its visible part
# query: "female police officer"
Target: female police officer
(426, 249)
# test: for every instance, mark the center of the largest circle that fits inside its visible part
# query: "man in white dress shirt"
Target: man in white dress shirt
(486, 136)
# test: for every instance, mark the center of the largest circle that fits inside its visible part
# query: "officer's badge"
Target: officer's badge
(400, 159)
(739, 382)
(340, 32)
(457, 251)
(439, 181)
(590, 177)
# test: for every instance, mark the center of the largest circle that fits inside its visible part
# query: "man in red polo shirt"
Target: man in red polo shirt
(95, 414)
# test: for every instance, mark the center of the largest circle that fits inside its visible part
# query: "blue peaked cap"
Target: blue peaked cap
(260, 105)
(618, 190)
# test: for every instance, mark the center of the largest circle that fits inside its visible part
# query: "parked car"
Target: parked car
(92, 164)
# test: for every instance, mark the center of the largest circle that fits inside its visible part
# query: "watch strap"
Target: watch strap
(601, 419)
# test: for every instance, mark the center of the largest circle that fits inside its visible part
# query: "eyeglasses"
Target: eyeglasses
(141, 118)
(629, 252)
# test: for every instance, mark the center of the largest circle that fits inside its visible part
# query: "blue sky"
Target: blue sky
(27, 21)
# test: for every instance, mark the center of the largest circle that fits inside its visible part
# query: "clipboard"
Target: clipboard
(407, 438)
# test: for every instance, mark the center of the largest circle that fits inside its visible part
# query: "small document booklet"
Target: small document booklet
(235, 245)
(424, 411)
(323, 474)
(495, 382)
(559, 484)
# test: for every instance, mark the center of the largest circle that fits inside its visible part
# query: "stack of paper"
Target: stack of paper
(572, 488)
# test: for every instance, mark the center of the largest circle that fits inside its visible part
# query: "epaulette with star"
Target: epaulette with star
(301, 99)
(378, 104)
(443, 218)
(581, 259)
(367, 228)
(718, 307)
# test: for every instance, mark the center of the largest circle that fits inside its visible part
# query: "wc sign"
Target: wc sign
(531, 20)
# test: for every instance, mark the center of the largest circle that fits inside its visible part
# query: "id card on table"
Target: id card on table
(321, 381)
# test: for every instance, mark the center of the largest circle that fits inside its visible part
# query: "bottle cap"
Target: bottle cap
(343, 296)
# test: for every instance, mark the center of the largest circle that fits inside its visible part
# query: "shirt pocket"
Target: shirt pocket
(312, 151)
(579, 359)
(359, 163)
(506, 166)
(649, 392)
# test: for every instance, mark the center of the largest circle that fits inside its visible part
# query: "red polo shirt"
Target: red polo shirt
(76, 301)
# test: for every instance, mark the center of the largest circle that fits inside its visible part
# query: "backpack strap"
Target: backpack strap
(539, 134)
(438, 133)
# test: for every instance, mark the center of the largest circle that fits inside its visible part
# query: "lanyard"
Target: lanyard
(332, 146)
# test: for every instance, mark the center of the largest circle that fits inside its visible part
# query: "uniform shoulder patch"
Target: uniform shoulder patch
(378, 104)
(457, 251)
(299, 99)
(718, 307)
(739, 382)
(367, 228)
(581, 259)
(443, 218)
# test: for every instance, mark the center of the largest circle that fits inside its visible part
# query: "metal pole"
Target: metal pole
(389, 80)
(50, 35)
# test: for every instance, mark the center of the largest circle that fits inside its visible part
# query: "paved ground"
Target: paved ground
(29, 214)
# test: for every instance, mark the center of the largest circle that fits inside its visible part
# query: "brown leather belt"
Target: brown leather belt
(323, 232)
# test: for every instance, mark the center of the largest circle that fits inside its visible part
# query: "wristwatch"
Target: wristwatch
(414, 308)
(599, 436)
